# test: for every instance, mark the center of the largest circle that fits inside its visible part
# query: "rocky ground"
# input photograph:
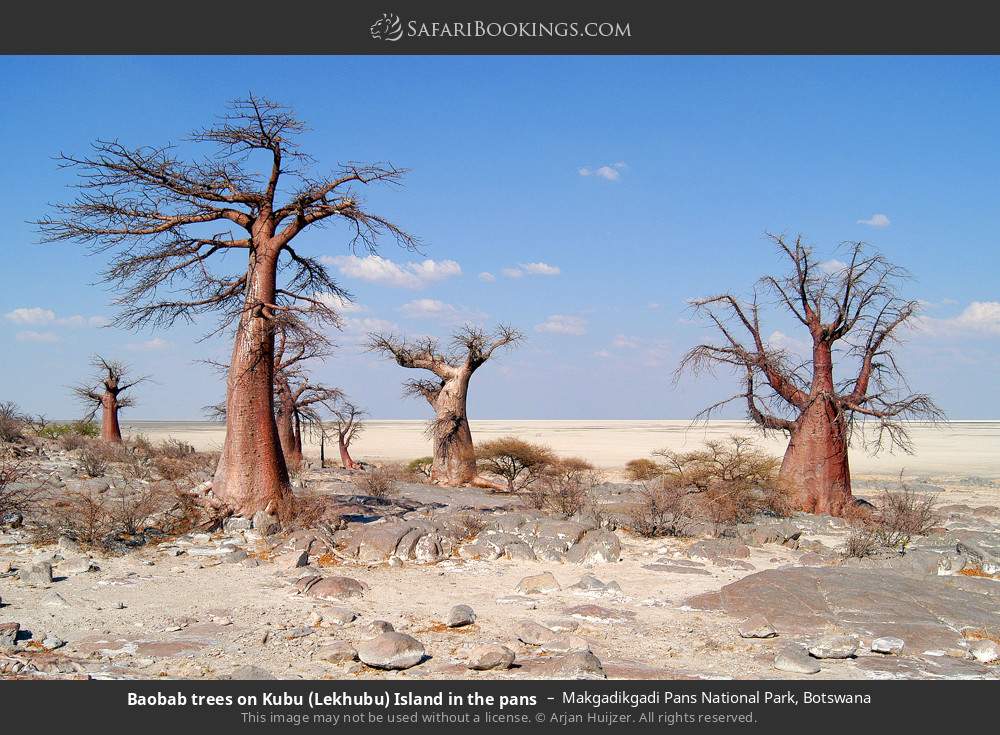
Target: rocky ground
(456, 583)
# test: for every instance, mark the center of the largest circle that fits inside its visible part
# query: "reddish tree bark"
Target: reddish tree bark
(855, 304)
(348, 423)
(164, 219)
(108, 396)
(454, 454)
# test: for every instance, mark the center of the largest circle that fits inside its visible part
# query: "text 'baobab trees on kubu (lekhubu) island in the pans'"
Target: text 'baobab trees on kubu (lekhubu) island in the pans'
(167, 221)
(853, 315)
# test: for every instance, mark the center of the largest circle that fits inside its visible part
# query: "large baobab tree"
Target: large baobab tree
(852, 315)
(106, 393)
(168, 222)
(348, 421)
(454, 454)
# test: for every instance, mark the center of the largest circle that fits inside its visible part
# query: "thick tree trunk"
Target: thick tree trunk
(285, 420)
(297, 448)
(454, 455)
(345, 455)
(110, 430)
(251, 475)
(815, 467)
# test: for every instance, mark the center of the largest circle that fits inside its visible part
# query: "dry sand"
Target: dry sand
(955, 450)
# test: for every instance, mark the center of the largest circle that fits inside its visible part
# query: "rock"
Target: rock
(236, 523)
(67, 544)
(266, 524)
(250, 673)
(294, 560)
(834, 646)
(529, 603)
(460, 615)
(391, 651)
(798, 601)
(338, 615)
(490, 656)
(299, 632)
(757, 627)
(377, 627)
(985, 651)
(718, 548)
(887, 644)
(481, 549)
(598, 614)
(236, 556)
(537, 583)
(432, 548)
(337, 652)
(77, 565)
(561, 625)
(575, 665)
(51, 642)
(595, 547)
(565, 643)
(8, 635)
(795, 660)
(590, 583)
(532, 633)
(336, 588)
(37, 573)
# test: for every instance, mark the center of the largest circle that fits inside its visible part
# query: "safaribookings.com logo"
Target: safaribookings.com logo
(390, 28)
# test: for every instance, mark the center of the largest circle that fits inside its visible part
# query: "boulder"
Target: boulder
(37, 573)
(794, 660)
(459, 616)
(887, 644)
(236, 523)
(377, 627)
(266, 524)
(432, 548)
(77, 565)
(490, 656)
(538, 583)
(565, 643)
(8, 635)
(337, 652)
(391, 651)
(532, 633)
(718, 548)
(338, 615)
(598, 614)
(250, 673)
(336, 588)
(985, 651)
(834, 646)
(757, 627)
(597, 546)
(575, 665)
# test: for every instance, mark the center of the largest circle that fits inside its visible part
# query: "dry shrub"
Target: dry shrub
(72, 441)
(891, 524)
(98, 519)
(310, 510)
(174, 448)
(565, 487)
(661, 509)
(96, 457)
(17, 499)
(13, 423)
(519, 463)
(380, 482)
(470, 524)
(732, 480)
(419, 469)
(640, 470)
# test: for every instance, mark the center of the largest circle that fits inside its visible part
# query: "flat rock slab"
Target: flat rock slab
(598, 614)
(676, 569)
(928, 612)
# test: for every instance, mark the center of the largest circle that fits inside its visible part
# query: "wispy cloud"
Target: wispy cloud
(832, 266)
(487, 277)
(531, 269)
(978, 318)
(376, 269)
(440, 311)
(608, 172)
(622, 341)
(563, 324)
(876, 220)
(338, 303)
(38, 316)
(33, 336)
(156, 344)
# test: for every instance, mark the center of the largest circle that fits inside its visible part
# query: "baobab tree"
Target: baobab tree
(853, 315)
(106, 393)
(348, 421)
(454, 454)
(168, 222)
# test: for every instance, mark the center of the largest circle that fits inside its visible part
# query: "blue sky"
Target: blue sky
(616, 188)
